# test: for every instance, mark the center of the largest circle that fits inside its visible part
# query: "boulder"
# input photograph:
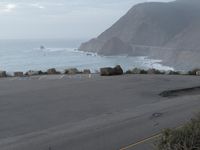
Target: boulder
(34, 73)
(108, 71)
(154, 71)
(18, 74)
(151, 71)
(52, 71)
(118, 70)
(66, 71)
(128, 72)
(42, 73)
(72, 71)
(173, 73)
(137, 71)
(86, 71)
(3, 74)
(192, 72)
(198, 73)
(143, 71)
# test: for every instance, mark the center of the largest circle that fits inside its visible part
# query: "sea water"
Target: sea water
(40, 54)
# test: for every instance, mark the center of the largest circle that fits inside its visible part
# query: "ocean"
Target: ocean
(24, 55)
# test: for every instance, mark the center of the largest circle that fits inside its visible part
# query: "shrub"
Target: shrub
(185, 138)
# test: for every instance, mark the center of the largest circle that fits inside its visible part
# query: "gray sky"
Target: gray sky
(60, 18)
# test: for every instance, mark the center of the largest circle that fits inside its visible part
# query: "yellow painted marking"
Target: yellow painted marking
(145, 140)
(141, 142)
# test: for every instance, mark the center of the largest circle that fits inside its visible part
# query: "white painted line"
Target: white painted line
(13, 78)
(40, 78)
(62, 76)
(90, 76)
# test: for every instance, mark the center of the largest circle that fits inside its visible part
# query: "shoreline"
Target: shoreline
(35, 59)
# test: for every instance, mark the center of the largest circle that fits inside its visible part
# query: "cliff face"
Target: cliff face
(116, 46)
(154, 29)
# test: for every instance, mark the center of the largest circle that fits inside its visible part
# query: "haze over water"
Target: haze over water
(24, 55)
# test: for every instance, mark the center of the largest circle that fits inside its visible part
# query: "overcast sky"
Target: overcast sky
(71, 19)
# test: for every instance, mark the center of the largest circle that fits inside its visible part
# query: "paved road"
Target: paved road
(90, 113)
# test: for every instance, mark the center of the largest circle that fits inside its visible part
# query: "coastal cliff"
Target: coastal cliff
(168, 31)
